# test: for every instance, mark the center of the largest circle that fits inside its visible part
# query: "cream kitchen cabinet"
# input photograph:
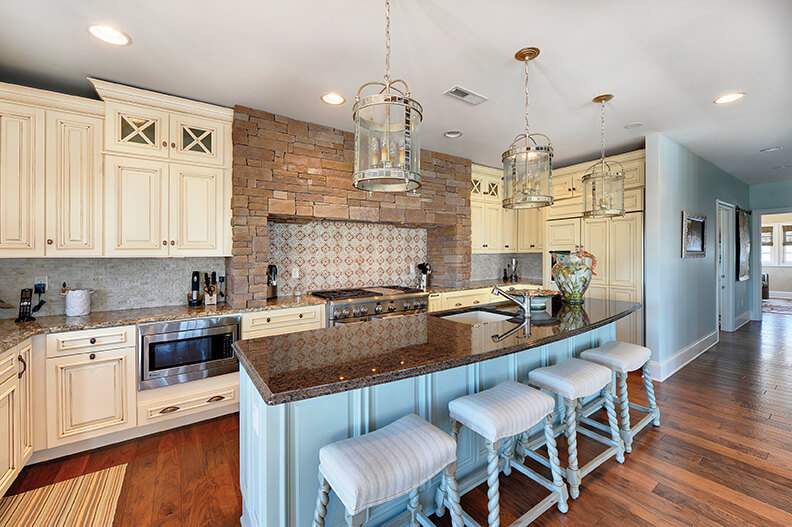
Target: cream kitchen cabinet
(596, 239)
(508, 242)
(16, 412)
(163, 209)
(74, 185)
(197, 139)
(21, 180)
(136, 129)
(530, 230)
(467, 298)
(25, 380)
(486, 223)
(282, 321)
(90, 394)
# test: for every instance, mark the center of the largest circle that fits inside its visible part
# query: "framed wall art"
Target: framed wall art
(693, 230)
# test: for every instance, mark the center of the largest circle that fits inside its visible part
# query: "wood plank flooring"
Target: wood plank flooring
(722, 457)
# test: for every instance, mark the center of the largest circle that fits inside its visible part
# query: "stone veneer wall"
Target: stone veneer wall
(302, 171)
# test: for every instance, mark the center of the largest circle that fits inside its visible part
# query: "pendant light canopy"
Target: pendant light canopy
(527, 164)
(603, 183)
(387, 125)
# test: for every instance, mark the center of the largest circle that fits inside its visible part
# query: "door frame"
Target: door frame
(756, 258)
(728, 234)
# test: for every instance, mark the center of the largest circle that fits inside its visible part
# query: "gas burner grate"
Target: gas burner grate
(337, 294)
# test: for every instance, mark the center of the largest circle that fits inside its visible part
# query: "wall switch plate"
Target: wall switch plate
(40, 285)
(412, 269)
(295, 273)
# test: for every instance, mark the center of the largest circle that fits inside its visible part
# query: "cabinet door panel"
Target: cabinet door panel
(136, 207)
(74, 185)
(133, 129)
(9, 433)
(196, 139)
(90, 397)
(508, 231)
(560, 235)
(629, 328)
(25, 403)
(596, 241)
(21, 180)
(477, 230)
(625, 255)
(492, 227)
(196, 209)
(562, 186)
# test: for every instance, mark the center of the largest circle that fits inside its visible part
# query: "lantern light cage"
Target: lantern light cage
(603, 182)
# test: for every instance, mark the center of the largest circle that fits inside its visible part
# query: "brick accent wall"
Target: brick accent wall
(289, 170)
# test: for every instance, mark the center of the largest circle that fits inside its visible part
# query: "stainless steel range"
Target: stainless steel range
(347, 306)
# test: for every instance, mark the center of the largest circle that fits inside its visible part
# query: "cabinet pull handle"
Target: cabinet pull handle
(300, 315)
(173, 145)
(476, 302)
(24, 367)
(92, 356)
(485, 245)
(268, 319)
(93, 340)
(173, 242)
(49, 241)
(165, 144)
(169, 409)
(458, 304)
(215, 398)
(506, 246)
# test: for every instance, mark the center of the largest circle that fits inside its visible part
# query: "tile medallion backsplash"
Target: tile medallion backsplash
(336, 254)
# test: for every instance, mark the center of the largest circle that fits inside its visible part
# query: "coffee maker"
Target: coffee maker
(425, 270)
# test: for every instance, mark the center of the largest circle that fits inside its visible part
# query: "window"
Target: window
(786, 243)
(767, 245)
(777, 244)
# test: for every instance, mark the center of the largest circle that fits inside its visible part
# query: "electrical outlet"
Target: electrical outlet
(295, 272)
(412, 269)
(40, 285)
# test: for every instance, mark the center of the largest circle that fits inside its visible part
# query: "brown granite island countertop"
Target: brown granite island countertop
(309, 364)
(12, 333)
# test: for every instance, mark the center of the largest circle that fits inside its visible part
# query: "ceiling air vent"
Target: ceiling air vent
(465, 95)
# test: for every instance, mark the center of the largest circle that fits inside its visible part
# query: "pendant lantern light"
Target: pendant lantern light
(387, 126)
(603, 183)
(527, 164)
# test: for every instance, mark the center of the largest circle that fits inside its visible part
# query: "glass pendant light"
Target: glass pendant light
(527, 169)
(603, 183)
(387, 125)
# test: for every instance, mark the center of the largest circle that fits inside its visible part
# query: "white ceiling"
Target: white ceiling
(664, 60)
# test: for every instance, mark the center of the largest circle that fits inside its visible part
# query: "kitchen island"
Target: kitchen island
(302, 391)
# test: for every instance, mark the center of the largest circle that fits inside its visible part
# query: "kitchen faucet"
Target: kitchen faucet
(523, 301)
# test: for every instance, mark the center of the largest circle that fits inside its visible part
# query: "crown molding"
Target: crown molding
(110, 91)
(50, 99)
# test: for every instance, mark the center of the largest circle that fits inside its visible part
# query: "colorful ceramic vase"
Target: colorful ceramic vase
(572, 274)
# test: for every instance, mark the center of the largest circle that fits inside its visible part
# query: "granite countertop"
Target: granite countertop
(12, 333)
(308, 364)
(480, 284)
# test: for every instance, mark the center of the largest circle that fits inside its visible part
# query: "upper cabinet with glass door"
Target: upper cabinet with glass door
(196, 139)
(134, 129)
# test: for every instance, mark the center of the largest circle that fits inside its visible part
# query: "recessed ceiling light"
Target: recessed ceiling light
(333, 98)
(633, 125)
(726, 98)
(453, 134)
(770, 149)
(110, 35)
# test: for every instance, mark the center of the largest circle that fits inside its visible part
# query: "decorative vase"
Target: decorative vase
(572, 274)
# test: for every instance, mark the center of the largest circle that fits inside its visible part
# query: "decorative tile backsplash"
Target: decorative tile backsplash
(333, 254)
(490, 266)
(120, 283)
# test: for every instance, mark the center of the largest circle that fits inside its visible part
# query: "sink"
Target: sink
(477, 316)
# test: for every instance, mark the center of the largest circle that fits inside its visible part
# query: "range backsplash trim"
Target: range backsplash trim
(337, 254)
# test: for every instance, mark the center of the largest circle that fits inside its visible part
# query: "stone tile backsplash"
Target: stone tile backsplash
(120, 283)
(337, 254)
(490, 266)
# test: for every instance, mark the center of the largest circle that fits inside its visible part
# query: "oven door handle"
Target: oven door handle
(188, 334)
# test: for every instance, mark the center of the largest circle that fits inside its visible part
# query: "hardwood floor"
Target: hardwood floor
(722, 457)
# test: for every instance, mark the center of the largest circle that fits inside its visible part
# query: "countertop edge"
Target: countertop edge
(329, 389)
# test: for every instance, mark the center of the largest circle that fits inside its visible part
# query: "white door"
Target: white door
(596, 240)
(196, 139)
(21, 181)
(9, 432)
(25, 359)
(134, 129)
(196, 211)
(74, 185)
(90, 394)
(136, 206)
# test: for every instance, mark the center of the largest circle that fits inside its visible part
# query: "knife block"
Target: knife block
(210, 300)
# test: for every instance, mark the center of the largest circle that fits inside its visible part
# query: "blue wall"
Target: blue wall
(768, 196)
(680, 294)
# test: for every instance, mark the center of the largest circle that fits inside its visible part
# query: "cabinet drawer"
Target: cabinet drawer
(165, 409)
(8, 364)
(93, 340)
(567, 208)
(634, 200)
(462, 299)
(280, 321)
(634, 173)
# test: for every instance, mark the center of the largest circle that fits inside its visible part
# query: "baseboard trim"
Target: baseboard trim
(787, 295)
(663, 370)
(742, 319)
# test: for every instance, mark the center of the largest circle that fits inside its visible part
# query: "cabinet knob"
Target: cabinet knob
(476, 302)
(215, 398)
(93, 340)
(164, 242)
(300, 315)
(173, 145)
(506, 246)
(92, 356)
(173, 242)
(49, 241)
(268, 319)
(165, 144)
(485, 245)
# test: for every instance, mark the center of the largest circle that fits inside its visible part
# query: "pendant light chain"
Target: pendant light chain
(602, 131)
(387, 42)
(527, 100)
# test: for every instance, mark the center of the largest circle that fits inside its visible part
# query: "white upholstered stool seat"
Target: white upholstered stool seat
(508, 409)
(385, 464)
(572, 379)
(622, 358)
(503, 416)
(619, 356)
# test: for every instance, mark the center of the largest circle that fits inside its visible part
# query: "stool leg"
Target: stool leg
(555, 465)
(414, 507)
(493, 487)
(442, 490)
(614, 424)
(454, 507)
(356, 520)
(321, 502)
(573, 471)
(508, 454)
(624, 406)
(650, 395)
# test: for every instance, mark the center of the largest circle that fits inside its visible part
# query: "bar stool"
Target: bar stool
(385, 464)
(500, 415)
(622, 358)
(574, 380)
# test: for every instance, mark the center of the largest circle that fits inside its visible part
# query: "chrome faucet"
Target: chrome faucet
(525, 329)
(523, 301)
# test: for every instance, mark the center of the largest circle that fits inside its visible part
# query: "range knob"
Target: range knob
(378, 309)
(345, 312)
(336, 313)
(356, 312)
(391, 307)
(363, 311)
(417, 305)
